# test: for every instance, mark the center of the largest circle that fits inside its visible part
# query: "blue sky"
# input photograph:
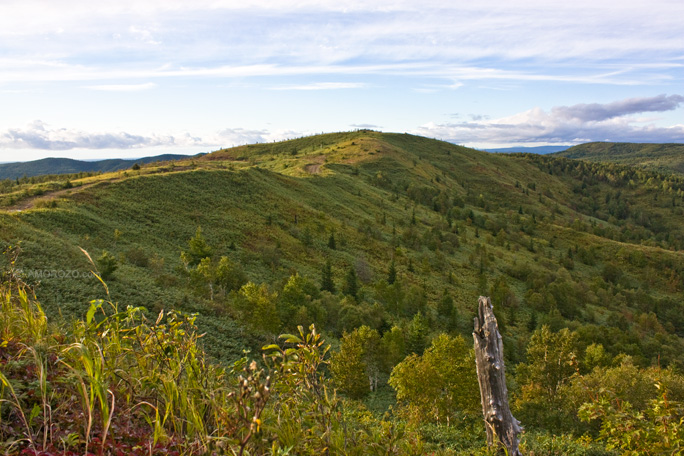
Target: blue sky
(130, 78)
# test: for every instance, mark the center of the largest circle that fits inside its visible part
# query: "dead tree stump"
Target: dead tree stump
(502, 428)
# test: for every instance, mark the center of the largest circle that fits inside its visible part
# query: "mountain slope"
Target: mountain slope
(384, 242)
(545, 235)
(659, 157)
(70, 166)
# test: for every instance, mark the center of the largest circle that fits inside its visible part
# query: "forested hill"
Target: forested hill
(69, 166)
(384, 242)
(659, 157)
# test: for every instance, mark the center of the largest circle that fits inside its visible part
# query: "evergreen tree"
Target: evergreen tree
(199, 249)
(351, 283)
(416, 339)
(532, 322)
(327, 282)
(392, 274)
(331, 242)
(307, 239)
(445, 306)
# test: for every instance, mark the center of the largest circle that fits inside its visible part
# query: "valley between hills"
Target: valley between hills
(383, 242)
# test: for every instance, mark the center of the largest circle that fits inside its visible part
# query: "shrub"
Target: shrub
(137, 256)
(106, 265)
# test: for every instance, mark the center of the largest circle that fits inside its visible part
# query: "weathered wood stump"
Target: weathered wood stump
(502, 428)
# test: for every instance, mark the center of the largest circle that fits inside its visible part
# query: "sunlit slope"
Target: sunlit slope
(68, 166)
(544, 233)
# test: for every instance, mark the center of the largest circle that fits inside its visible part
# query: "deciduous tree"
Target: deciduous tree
(439, 384)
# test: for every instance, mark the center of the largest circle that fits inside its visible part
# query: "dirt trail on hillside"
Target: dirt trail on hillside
(315, 167)
(30, 202)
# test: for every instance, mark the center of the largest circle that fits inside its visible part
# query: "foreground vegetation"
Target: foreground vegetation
(383, 242)
(117, 383)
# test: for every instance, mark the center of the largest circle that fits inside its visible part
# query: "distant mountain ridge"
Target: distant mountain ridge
(533, 150)
(667, 157)
(71, 166)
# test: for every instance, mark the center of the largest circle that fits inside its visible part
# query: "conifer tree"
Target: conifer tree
(351, 283)
(392, 274)
(416, 338)
(445, 306)
(327, 282)
(199, 249)
(331, 242)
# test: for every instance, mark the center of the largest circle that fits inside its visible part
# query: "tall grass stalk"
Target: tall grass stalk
(40, 363)
(17, 405)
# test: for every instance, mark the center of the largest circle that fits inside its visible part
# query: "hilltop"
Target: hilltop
(659, 157)
(394, 233)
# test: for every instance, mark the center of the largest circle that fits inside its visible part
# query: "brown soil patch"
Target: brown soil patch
(315, 167)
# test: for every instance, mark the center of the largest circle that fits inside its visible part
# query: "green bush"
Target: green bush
(545, 444)
(106, 265)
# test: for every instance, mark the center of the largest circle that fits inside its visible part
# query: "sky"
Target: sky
(90, 79)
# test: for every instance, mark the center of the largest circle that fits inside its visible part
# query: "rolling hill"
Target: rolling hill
(452, 218)
(48, 166)
(659, 157)
(393, 232)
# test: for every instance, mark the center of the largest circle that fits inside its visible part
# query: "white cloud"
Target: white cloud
(15, 70)
(598, 112)
(324, 86)
(582, 40)
(143, 35)
(567, 125)
(123, 87)
(366, 126)
(39, 135)
(230, 137)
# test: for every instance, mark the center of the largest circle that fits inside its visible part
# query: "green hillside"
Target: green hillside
(658, 157)
(51, 166)
(384, 242)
